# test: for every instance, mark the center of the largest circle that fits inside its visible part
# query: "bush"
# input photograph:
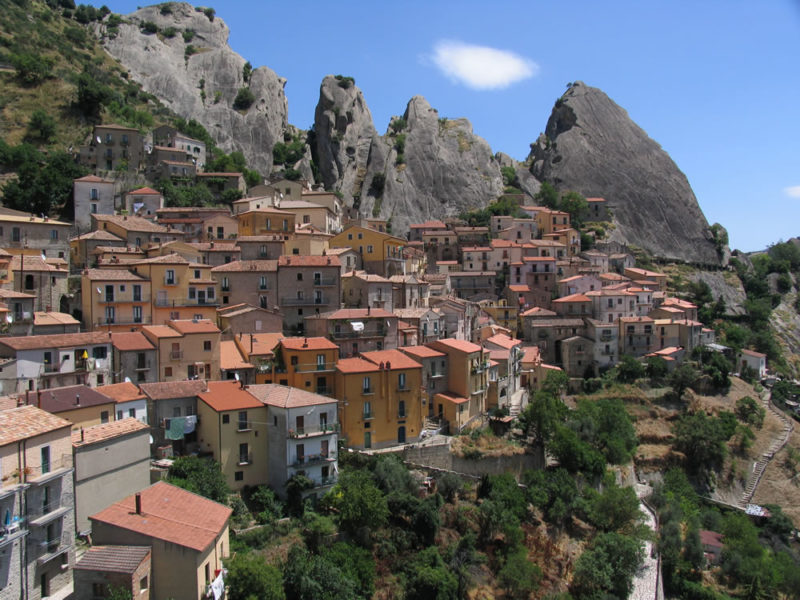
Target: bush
(188, 35)
(210, 13)
(397, 125)
(170, 32)
(148, 27)
(244, 99)
(748, 411)
(41, 126)
(345, 82)
(377, 185)
(31, 68)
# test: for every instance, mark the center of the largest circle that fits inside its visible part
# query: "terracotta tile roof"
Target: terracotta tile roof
(99, 234)
(107, 431)
(228, 395)
(338, 251)
(230, 359)
(572, 298)
(261, 343)
(753, 353)
(451, 397)
(93, 179)
(355, 313)
(476, 249)
(395, 358)
(287, 397)
(678, 303)
(168, 259)
(111, 275)
(160, 331)
(4, 293)
(497, 243)
(57, 340)
(147, 191)
(557, 323)
(635, 320)
(606, 291)
(241, 266)
(121, 392)
(356, 365)
(538, 259)
(171, 514)
(308, 343)
(595, 199)
(262, 238)
(421, 351)
(131, 223)
(32, 263)
(166, 390)
(192, 326)
(26, 422)
(44, 318)
(519, 288)
(505, 341)
(711, 538)
(309, 261)
(113, 559)
(130, 341)
(265, 210)
(56, 400)
(531, 354)
(216, 246)
(428, 225)
(459, 345)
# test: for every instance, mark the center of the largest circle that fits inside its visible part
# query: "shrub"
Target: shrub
(148, 27)
(378, 184)
(31, 68)
(210, 13)
(170, 32)
(188, 35)
(244, 99)
(247, 70)
(189, 51)
(41, 126)
(166, 8)
(398, 124)
(345, 82)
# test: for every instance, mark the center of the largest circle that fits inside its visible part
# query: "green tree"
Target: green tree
(607, 567)
(119, 593)
(682, 378)
(576, 206)
(199, 475)
(543, 414)
(41, 126)
(547, 196)
(265, 504)
(31, 68)
(428, 577)
(702, 439)
(92, 95)
(310, 577)
(356, 563)
(247, 70)
(244, 99)
(359, 502)
(615, 508)
(519, 576)
(296, 487)
(629, 369)
(749, 411)
(251, 578)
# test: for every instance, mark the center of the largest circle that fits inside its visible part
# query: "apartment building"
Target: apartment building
(308, 285)
(360, 289)
(355, 330)
(92, 195)
(135, 358)
(144, 202)
(467, 382)
(248, 282)
(45, 280)
(115, 300)
(113, 148)
(186, 349)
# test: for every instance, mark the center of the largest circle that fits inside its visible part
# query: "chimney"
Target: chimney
(138, 499)
(251, 343)
(77, 399)
(368, 309)
(305, 343)
(388, 366)
(39, 398)
(82, 438)
(27, 396)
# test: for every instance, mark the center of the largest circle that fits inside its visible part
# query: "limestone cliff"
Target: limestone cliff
(197, 75)
(424, 167)
(593, 147)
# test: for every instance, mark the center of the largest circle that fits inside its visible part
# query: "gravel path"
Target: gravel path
(645, 583)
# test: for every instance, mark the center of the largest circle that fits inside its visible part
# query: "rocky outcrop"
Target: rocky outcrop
(199, 78)
(593, 147)
(725, 285)
(424, 167)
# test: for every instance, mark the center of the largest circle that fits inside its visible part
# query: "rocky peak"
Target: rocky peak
(592, 146)
(197, 75)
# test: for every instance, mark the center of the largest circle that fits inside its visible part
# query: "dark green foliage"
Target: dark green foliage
(85, 14)
(428, 578)
(118, 593)
(247, 70)
(397, 125)
(210, 13)
(629, 369)
(297, 485)
(555, 492)
(188, 35)
(547, 196)
(310, 577)
(92, 95)
(265, 504)
(31, 68)
(749, 411)
(148, 27)
(377, 185)
(615, 508)
(576, 455)
(169, 32)
(288, 153)
(359, 502)
(41, 127)
(716, 367)
(166, 8)
(576, 206)
(702, 439)
(607, 567)
(519, 576)
(356, 563)
(196, 195)
(605, 425)
(345, 82)
(682, 378)
(544, 412)
(244, 99)
(656, 368)
(199, 475)
(509, 176)
(503, 206)
(316, 530)
(391, 475)
(250, 577)
(449, 485)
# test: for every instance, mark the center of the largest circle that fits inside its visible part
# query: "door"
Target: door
(401, 434)
(367, 439)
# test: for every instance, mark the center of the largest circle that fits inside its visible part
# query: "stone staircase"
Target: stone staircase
(763, 461)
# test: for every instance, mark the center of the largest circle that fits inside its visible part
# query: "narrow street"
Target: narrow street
(646, 582)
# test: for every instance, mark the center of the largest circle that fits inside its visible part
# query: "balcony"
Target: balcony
(245, 459)
(404, 388)
(314, 367)
(294, 301)
(330, 480)
(49, 471)
(226, 288)
(347, 335)
(53, 367)
(325, 390)
(314, 430)
(176, 355)
(102, 322)
(243, 426)
(53, 549)
(325, 281)
(47, 514)
(312, 459)
(12, 534)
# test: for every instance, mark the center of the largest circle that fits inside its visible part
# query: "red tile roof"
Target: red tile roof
(113, 559)
(171, 514)
(572, 298)
(145, 191)
(167, 390)
(192, 326)
(58, 340)
(451, 397)
(355, 313)
(504, 341)
(241, 266)
(230, 359)
(309, 261)
(459, 345)
(72, 397)
(26, 422)
(422, 351)
(121, 392)
(130, 341)
(395, 358)
(356, 365)
(107, 431)
(228, 395)
(308, 343)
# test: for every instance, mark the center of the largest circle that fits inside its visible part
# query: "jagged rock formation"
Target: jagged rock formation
(429, 168)
(203, 85)
(725, 285)
(593, 147)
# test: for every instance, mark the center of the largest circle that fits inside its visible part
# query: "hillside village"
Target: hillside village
(270, 335)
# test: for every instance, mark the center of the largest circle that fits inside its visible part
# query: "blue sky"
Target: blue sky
(716, 83)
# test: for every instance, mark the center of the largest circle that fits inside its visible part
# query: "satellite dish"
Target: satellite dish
(236, 376)
(99, 291)
(128, 380)
(9, 319)
(99, 141)
(151, 439)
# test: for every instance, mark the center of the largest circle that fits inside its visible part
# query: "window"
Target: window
(15, 234)
(226, 419)
(137, 293)
(101, 379)
(53, 234)
(299, 277)
(320, 362)
(262, 282)
(367, 410)
(401, 381)
(367, 386)
(369, 248)
(293, 360)
(243, 424)
(143, 584)
(137, 314)
(192, 293)
(28, 281)
(104, 416)
(169, 279)
(244, 454)
(132, 413)
(109, 314)
(401, 409)
(45, 453)
(207, 345)
(99, 352)
(167, 371)
(94, 208)
(238, 476)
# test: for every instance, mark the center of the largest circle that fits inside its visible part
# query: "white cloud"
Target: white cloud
(480, 67)
(793, 191)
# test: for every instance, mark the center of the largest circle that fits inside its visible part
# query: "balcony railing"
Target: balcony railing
(325, 390)
(346, 335)
(244, 425)
(312, 367)
(171, 280)
(303, 432)
(325, 281)
(103, 322)
(42, 473)
(293, 301)
(52, 367)
(176, 355)
(330, 480)
(310, 459)
(246, 459)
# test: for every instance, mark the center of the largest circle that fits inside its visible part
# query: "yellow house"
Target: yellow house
(230, 421)
(115, 299)
(179, 289)
(188, 535)
(258, 349)
(308, 363)
(380, 252)
(186, 349)
(266, 221)
(380, 399)
(307, 242)
(467, 382)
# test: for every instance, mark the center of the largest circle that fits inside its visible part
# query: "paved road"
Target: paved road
(646, 581)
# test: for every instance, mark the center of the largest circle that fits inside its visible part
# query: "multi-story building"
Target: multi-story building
(577, 356)
(115, 299)
(307, 363)
(360, 289)
(219, 183)
(234, 319)
(92, 195)
(229, 422)
(80, 405)
(503, 313)
(434, 374)
(320, 217)
(380, 252)
(605, 339)
(409, 291)
(135, 358)
(111, 461)
(303, 432)
(167, 401)
(48, 361)
(186, 349)
(266, 221)
(355, 330)
(113, 148)
(574, 305)
(130, 402)
(81, 248)
(41, 278)
(467, 382)
(37, 548)
(647, 278)
(200, 223)
(187, 552)
(637, 336)
(428, 323)
(103, 568)
(218, 253)
(609, 305)
(381, 402)
(135, 231)
(248, 282)
(473, 284)
(307, 285)
(507, 352)
(144, 202)
(548, 332)
(194, 150)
